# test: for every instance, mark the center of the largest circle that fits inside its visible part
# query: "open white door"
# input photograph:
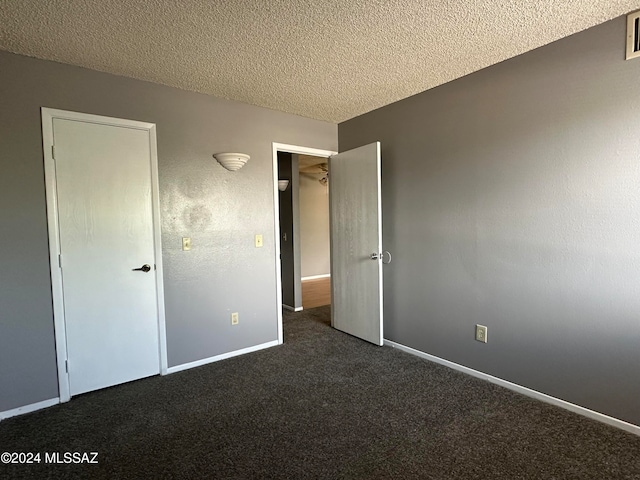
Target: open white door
(356, 242)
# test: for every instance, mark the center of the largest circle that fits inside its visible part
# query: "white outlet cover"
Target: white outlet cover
(481, 333)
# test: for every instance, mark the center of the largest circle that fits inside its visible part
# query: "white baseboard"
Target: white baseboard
(293, 309)
(315, 277)
(54, 401)
(621, 424)
(29, 408)
(204, 361)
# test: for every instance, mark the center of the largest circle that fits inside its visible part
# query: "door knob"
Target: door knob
(144, 268)
(375, 256)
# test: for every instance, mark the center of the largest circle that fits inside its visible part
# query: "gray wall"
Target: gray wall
(314, 226)
(511, 198)
(289, 231)
(285, 206)
(220, 210)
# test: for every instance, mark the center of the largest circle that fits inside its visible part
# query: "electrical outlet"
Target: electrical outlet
(234, 318)
(186, 243)
(258, 241)
(481, 333)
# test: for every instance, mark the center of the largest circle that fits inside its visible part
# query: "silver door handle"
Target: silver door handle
(375, 256)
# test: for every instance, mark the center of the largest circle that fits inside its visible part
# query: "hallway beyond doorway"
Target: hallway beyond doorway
(316, 292)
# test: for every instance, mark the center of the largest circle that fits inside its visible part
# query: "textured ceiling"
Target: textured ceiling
(325, 59)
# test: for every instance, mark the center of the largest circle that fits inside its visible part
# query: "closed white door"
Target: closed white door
(103, 184)
(355, 214)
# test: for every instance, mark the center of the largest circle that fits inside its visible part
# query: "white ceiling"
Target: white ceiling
(326, 59)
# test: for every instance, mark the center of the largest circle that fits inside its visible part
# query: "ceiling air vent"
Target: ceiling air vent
(633, 35)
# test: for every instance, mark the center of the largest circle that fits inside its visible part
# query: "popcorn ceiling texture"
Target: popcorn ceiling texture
(325, 59)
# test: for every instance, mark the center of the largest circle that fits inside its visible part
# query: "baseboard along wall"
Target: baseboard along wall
(600, 417)
(293, 309)
(316, 277)
(178, 368)
(615, 422)
(217, 358)
(29, 408)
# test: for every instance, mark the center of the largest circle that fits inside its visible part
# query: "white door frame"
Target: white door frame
(282, 147)
(48, 115)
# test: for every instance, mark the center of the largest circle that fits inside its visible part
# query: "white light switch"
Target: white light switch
(258, 241)
(186, 243)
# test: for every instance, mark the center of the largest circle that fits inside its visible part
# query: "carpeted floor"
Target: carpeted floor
(323, 405)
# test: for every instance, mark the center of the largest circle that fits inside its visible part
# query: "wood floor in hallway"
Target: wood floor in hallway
(316, 292)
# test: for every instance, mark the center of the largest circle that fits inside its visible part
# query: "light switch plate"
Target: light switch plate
(258, 241)
(186, 243)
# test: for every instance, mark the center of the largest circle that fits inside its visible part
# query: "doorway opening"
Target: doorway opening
(355, 214)
(315, 261)
(301, 246)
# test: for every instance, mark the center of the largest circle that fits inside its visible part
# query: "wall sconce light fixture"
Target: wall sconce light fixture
(231, 161)
(282, 185)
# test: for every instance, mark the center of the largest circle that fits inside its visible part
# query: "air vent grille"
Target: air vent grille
(633, 35)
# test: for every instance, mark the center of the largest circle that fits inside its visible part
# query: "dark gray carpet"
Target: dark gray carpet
(323, 405)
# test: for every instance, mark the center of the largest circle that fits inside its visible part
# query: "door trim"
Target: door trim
(48, 115)
(283, 147)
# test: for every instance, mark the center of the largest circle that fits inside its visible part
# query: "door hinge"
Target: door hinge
(53, 152)
(59, 260)
(66, 366)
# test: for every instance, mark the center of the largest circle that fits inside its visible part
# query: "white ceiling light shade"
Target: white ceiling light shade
(282, 185)
(232, 161)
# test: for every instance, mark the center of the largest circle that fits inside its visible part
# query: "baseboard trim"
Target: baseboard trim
(600, 417)
(293, 309)
(315, 277)
(29, 408)
(224, 356)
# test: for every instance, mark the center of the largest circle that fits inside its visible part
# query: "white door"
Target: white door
(356, 236)
(105, 225)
